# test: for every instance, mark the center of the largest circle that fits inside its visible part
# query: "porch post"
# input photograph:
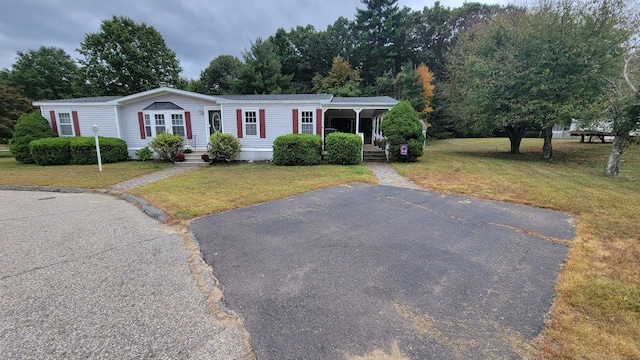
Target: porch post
(357, 110)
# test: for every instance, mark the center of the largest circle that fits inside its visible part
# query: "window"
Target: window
(160, 125)
(251, 123)
(147, 125)
(66, 127)
(177, 124)
(306, 119)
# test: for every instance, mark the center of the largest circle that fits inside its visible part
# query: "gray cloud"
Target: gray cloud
(197, 30)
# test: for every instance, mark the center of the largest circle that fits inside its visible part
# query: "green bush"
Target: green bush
(402, 126)
(28, 128)
(167, 146)
(224, 147)
(144, 154)
(77, 151)
(83, 150)
(297, 149)
(343, 148)
(51, 151)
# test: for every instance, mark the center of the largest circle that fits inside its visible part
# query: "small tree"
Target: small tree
(167, 146)
(224, 147)
(402, 126)
(28, 128)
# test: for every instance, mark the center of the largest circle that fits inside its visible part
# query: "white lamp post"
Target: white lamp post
(95, 132)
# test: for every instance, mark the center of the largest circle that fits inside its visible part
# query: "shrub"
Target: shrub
(51, 151)
(77, 150)
(297, 149)
(28, 128)
(144, 154)
(83, 150)
(167, 145)
(224, 147)
(402, 126)
(343, 148)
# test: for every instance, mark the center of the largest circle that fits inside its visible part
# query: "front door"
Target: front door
(215, 122)
(366, 127)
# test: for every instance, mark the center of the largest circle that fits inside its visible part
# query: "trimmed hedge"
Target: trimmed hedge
(77, 151)
(343, 148)
(297, 149)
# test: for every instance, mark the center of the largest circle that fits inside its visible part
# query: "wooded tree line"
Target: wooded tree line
(494, 69)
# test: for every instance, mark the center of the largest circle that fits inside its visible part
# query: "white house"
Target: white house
(257, 120)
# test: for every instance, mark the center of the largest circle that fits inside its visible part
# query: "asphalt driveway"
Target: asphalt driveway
(349, 270)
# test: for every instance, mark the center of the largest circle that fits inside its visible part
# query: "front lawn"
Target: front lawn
(597, 309)
(77, 176)
(214, 189)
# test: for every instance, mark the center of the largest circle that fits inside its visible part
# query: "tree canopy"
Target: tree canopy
(125, 57)
(44, 74)
(12, 105)
(221, 74)
(531, 68)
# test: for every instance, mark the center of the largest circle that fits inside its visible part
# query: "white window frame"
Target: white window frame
(168, 122)
(147, 125)
(175, 118)
(245, 123)
(70, 123)
(301, 124)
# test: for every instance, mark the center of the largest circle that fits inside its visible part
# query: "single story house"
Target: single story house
(256, 120)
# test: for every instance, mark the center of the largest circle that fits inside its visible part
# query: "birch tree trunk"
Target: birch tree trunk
(620, 143)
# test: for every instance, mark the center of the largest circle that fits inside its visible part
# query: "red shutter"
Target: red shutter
(54, 124)
(187, 122)
(319, 122)
(295, 121)
(239, 122)
(143, 133)
(263, 130)
(76, 124)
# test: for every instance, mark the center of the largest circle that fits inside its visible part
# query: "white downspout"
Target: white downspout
(115, 110)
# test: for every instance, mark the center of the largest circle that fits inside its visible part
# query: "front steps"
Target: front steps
(373, 154)
(193, 159)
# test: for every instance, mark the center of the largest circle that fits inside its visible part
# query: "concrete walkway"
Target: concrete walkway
(387, 175)
(149, 178)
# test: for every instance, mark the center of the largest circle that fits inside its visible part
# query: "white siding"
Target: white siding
(88, 115)
(131, 129)
(278, 121)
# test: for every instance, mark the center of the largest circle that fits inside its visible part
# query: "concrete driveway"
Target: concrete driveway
(371, 270)
(90, 276)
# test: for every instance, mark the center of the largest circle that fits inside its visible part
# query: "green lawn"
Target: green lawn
(77, 176)
(215, 189)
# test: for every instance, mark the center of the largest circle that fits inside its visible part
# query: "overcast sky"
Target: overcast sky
(197, 30)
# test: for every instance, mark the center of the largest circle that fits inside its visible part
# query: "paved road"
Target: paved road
(90, 276)
(349, 270)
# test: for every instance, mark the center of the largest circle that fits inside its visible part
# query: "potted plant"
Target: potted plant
(187, 149)
(205, 157)
(180, 157)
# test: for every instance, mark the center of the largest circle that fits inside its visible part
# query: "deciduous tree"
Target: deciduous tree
(221, 74)
(342, 80)
(125, 57)
(45, 73)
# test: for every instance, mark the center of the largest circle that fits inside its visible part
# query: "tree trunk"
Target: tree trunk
(620, 143)
(547, 148)
(515, 134)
